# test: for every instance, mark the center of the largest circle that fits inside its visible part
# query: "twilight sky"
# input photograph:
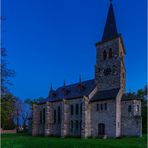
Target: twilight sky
(52, 40)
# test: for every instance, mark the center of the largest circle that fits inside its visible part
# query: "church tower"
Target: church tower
(110, 71)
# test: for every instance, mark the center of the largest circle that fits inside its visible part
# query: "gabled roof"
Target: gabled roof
(110, 30)
(76, 90)
(105, 95)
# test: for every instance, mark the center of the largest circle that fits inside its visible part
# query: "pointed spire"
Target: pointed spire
(52, 92)
(110, 30)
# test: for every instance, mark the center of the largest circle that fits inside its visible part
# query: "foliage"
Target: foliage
(33, 101)
(26, 116)
(5, 72)
(23, 140)
(7, 111)
(7, 99)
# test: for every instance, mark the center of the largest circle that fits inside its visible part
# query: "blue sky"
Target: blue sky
(52, 40)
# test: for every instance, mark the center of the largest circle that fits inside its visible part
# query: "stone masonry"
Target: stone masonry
(97, 107)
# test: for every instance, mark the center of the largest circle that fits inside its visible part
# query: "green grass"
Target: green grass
(25, 141)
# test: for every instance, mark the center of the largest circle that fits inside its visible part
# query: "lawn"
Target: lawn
(25, 141)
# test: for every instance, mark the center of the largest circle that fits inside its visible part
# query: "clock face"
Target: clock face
(107, 71)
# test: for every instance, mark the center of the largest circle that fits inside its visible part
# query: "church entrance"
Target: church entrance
(101, 129)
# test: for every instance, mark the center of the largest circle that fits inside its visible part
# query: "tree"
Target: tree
(27, 117)
(18, 110)
(8, 111)
(5, 73)
(7, 99)
(30, 102)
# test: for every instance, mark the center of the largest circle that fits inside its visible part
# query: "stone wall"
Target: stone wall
(115, 65)
(37, 127)
(107, 117)
(118, 112)
(75, 117)
(48, 120)
(86, 118)
(57, 128)
(65, 125)
(57, 125)
(113, 79)
(131, 121)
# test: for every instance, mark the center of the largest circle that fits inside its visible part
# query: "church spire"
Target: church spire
(110, 30)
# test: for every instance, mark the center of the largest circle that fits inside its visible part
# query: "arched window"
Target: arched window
(105, 106)
(71, 109)
(41, 117)
(44, 115)
(55, 116)
(71, 126)
(77, 125)
(129, 108)
(77, 109)
(81, 108)
(101, 106)
(110, 53)
(97, 107)
(59, 114)
(104, 55)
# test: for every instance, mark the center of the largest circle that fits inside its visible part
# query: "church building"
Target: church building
(96, 107)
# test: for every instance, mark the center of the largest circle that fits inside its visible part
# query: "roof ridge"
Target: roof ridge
(75, 84)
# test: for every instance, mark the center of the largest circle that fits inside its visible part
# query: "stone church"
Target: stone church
(96, 107)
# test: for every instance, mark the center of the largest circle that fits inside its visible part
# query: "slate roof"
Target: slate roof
(110, 30)
(76, 90)
(105, 95)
